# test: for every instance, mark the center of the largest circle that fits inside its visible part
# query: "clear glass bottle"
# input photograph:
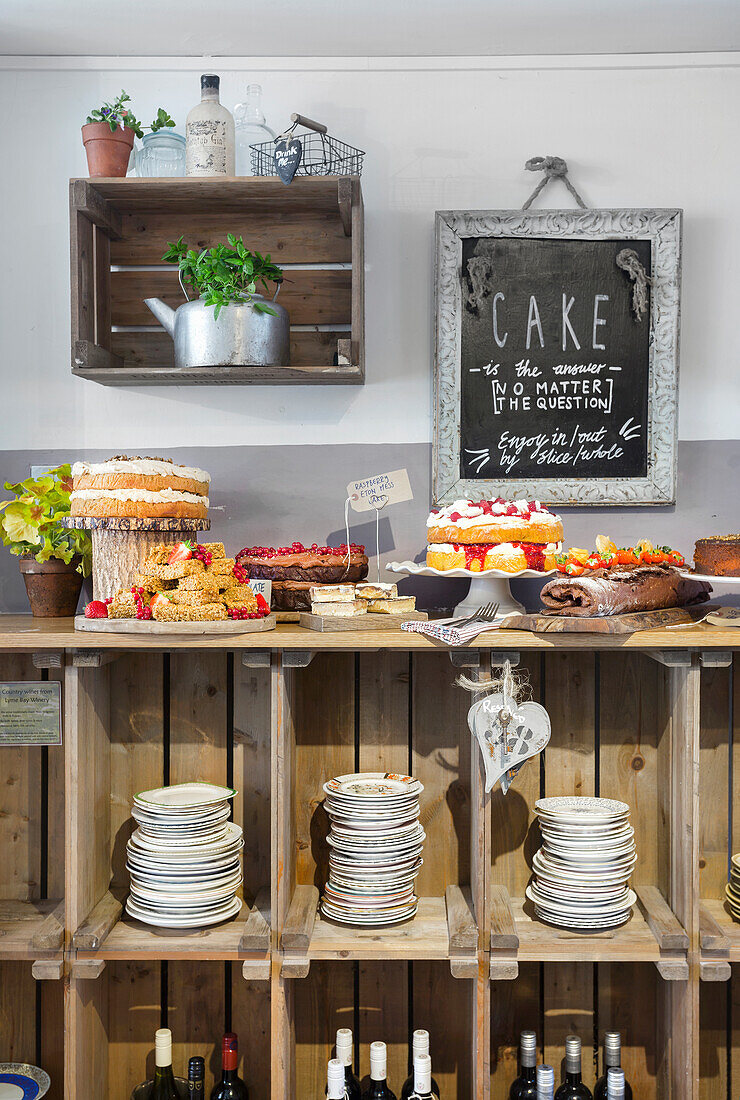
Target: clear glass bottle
(163, 1086)
(209, 133)
(573, 1087)
(344, 1055)
(419, 1045)
(249, 122)
(612, 1059)
(525, 1085)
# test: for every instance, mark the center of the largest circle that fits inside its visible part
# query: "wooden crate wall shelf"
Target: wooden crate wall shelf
(650, 722)
(119, 230)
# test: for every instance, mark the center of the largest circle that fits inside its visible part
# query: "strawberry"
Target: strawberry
(262, 604)
(159, 600)
(96, 609)
(183, 552)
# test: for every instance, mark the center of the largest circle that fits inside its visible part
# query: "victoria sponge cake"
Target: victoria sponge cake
(140, 488)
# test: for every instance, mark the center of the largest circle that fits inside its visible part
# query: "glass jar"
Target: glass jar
(161, 154)
(249, 122)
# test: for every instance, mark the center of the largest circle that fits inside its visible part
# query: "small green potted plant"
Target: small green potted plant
(231, 323)
(108, 136)
(54, 559)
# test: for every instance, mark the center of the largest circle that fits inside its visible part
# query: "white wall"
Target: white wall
(447, 134)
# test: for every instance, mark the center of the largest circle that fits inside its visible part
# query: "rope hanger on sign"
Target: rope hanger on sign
(554, 168)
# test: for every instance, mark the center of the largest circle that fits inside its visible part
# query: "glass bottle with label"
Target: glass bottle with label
(612, 1060)
(545, 1082)
(378, 1087)
(335, 1080)
(249, 121)
(197, 1077)
(573, 1087)
(344, 1055)
(209, 134)
(525, 1085)
(163, 1086)
(419, 1045)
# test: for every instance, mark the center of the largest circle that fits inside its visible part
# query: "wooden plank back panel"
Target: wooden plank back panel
(570, 769)
(17, 1012)
(133, 991)
(20, 811)
(631, 770)
(86, 1042)
(290, 236)
(383, 724)
(198, 751)
(441, 759)
(324, 724)
(515, 1005)
(156, 349)
(52, 1036)
(311, 297)
(137, 748)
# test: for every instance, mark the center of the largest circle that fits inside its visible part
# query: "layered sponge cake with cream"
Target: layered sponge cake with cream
(493, 534)
(140, 488)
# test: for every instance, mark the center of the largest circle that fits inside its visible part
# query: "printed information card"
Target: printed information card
(31, 713)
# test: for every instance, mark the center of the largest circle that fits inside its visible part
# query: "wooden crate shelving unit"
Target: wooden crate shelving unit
(474, 966)
(119, 230)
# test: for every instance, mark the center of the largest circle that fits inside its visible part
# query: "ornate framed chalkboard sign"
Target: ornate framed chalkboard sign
(556, 372)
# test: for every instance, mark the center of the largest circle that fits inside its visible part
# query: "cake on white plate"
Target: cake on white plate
(140, 488)
(493, 534)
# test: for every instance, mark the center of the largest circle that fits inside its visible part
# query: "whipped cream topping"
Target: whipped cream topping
(147, 466)
(505, 513)
(162, 496)
(506, 548)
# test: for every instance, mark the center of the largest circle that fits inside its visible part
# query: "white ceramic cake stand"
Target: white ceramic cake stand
(490, 585)
(718, 582)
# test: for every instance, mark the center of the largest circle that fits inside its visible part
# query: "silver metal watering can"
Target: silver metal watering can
(241, 336)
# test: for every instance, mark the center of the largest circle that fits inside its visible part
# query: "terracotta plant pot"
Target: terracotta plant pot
(53, 588)
(108, 152)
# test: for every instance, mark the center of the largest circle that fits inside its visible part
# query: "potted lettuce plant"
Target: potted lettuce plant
(54, 558)
(108, 136)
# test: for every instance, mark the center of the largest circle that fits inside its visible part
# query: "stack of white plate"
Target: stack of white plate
(732, 891)
(581, 872)
(376, 841)
(184, 857)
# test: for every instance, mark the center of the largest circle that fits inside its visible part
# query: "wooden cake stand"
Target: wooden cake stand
(119, 546)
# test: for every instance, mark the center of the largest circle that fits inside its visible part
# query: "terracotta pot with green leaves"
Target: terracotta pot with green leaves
(54, 559)
(108, 136)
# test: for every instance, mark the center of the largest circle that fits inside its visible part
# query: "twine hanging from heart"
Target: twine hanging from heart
(508, 729)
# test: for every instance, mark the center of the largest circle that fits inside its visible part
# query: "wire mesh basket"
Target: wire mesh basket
(323, 155)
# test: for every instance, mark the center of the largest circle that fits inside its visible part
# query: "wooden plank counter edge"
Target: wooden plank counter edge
(26, 634)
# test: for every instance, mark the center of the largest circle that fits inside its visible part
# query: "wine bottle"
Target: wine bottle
(419, 1045)
(335, 1080)
(612, 1058)
(525, 1085)
(231, 1086)
(378, 1087)
(209, 134)
(197, 1077)
(344, 1055)
(545, 1082)
(422, 1077)
(573, 1087)
(615, 1083)
(164, 1080)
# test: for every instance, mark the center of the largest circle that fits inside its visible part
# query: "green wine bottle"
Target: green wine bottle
(164, 1079)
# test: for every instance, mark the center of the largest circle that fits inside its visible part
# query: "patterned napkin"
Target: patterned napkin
(451, 635)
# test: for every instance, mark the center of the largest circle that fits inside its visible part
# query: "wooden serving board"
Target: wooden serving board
(150, 626)
(607, 624)
(368, 621)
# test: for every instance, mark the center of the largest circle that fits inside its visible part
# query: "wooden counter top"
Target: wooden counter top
(24, 633)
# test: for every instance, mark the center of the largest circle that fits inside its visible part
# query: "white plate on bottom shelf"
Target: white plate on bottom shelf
(170, 920)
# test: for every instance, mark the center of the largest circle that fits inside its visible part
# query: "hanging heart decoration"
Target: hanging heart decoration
(287, 156)
(508, 732)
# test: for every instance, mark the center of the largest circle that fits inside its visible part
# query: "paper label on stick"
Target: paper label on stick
(261, 587)
(31, 713)
(375, 492)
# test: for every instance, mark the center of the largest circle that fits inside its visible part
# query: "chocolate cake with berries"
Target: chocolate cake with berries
(295, 569)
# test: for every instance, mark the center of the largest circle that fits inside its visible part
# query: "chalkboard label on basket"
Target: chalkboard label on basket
(555, 367)
(557, 355)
